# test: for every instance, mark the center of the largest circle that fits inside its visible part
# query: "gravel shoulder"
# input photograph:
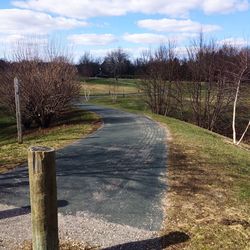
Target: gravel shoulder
(81, 227)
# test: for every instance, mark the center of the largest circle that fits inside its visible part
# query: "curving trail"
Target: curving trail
(116, 174)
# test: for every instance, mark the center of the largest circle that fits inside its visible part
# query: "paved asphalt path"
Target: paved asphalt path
(117, 173)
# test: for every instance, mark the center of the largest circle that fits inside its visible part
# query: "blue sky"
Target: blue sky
(98, 26)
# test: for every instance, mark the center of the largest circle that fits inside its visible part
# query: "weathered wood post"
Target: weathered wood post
(43, 197)
(18, 112)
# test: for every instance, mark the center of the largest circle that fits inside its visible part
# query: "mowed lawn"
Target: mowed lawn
(106, 86)
(208, 178)
(75, 125)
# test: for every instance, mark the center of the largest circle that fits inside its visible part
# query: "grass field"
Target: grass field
(208, 178)
(105, 86)
(105, 81)
(75, 125)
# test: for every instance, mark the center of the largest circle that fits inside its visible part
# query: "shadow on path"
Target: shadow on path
(9, 213)
(158, 243)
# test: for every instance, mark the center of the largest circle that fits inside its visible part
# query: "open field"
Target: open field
(208, 178)
(121, 81)
(222, 126)
(105, 86)
(76, 124)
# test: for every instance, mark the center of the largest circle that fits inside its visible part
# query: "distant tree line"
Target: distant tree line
(115, 64)
(118, 64)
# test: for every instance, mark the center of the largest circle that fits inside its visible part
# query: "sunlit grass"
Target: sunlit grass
(74, 126)
(106, 89)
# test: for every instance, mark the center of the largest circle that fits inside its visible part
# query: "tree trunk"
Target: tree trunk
(234, 111)
(243, 134)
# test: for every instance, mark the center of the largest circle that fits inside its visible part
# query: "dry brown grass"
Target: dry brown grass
(201, 203)
(102, 89)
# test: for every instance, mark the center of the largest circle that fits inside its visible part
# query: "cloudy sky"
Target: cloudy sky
(100, 25)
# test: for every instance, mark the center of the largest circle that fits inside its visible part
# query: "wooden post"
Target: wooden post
(43, 197)
(18, 112)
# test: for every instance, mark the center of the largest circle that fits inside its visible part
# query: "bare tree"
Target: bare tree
(47, 84)
(210, 91)
(86, 91)
(238, 70)
(115, 63)
(88, 66)
(160, 81)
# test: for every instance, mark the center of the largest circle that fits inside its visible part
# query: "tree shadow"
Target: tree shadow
(158, 243)
(9, 213)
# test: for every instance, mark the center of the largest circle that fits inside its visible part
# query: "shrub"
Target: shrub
(47, 85)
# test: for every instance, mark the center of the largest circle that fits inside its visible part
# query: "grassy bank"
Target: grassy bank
(208, 180)
(74, 125)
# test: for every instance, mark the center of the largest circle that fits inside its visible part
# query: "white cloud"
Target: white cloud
(146, 38)
(181, 51)
(174, 25)
(13, 42)
(17, 21)
(92, 39)
(76, 8)
(10, 38)
(90, 8)
(99, 52)
(234, 41)
(151, 38)
(215, 6)
(133, 52)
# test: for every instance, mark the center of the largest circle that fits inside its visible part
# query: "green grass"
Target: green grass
(7, 125)
(133, 103)
(73, 126)
(106, 86)
(105, 81)
(208, 180)
(244, 191)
